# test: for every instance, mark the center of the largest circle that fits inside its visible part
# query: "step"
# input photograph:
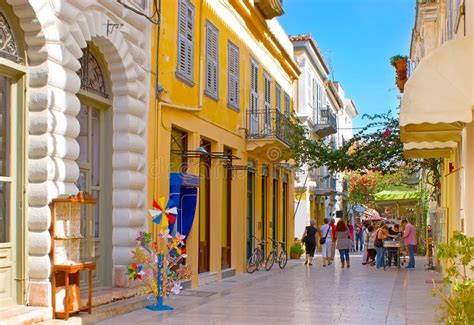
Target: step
(24, 315)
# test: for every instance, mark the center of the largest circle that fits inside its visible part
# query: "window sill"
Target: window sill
(211, 96)
(233, 107)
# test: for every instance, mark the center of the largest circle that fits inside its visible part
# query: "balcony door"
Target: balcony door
(253, 108)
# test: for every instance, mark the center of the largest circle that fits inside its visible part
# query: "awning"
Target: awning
(435, 149)
(371, 214)
(399, 194)
(439, 96)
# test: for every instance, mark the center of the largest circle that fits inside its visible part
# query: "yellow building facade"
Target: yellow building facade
(222, 98)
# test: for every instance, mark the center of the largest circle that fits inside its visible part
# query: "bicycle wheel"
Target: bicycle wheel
(252, 263)
(270, 260)
(282, 259)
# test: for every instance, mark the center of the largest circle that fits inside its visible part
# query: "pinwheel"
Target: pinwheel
(135, 271)
(160, 209)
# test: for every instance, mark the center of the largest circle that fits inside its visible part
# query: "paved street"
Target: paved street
(305, 295)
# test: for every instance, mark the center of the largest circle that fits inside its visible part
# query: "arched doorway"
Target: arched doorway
(12, 160)
(95, 120)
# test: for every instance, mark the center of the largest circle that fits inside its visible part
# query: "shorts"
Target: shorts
(326, 248)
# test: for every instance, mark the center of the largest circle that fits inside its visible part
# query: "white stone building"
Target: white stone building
(345, 132)
(317, 108)
(73, 83)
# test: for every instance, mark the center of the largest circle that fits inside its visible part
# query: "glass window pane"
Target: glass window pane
(4, 212)
(4, 127)
(83, 118)
(95, 135)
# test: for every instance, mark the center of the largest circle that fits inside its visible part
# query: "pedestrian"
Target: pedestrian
(326, 242)
(359, 238)
(392, 252)
(365, 239)
(332, 224)
(371, 252)
(409, 237)
(343, 243)
(381, 235)
(309, 240)
(351, 234)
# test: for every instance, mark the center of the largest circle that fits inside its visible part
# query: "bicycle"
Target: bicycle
(276, 254)
(255, 261)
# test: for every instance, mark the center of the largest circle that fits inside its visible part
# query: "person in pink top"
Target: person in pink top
(409, 237)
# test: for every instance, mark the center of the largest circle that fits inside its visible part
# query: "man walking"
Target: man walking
(409, 237)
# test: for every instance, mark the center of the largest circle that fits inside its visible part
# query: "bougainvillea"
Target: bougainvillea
(364, 185)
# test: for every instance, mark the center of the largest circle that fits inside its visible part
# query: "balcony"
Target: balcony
(270, 8)
(325, 185)
(325, 122)
(268, 133)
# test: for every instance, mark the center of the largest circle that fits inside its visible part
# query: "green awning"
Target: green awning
(398, 194)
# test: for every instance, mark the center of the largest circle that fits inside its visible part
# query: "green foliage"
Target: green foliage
(395, 58)
(458, 256)
(376, 147)
(296, 248)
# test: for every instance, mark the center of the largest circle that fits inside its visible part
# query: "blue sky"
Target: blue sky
(357, 37)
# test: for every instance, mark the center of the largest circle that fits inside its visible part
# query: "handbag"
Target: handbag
(378, 242)
(322, 241)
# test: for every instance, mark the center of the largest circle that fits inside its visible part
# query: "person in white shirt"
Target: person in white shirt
(365, 238)
(326, 241)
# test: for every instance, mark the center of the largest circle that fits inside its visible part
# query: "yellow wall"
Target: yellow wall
(187, 107)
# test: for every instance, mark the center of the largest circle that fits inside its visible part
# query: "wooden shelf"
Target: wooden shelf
(66, 276)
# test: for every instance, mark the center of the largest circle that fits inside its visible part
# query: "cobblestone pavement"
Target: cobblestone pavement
(305, 295)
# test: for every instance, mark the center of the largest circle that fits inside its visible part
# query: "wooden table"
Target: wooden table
(70, 272)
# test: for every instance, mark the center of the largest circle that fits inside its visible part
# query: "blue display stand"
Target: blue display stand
(183, 192)
(159, 300)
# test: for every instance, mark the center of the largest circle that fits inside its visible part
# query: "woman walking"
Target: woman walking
(325, 241)
(381, 235)
(309, 240)
(343, 243)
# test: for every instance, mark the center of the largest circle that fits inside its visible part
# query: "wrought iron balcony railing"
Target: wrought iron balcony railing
(325, 122)
(268, 124)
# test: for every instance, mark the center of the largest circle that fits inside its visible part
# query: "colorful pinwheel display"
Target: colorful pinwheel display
(159, 265)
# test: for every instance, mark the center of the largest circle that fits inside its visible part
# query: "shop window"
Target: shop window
(178, 146)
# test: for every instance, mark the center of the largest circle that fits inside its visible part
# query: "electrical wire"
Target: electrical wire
(138, 12)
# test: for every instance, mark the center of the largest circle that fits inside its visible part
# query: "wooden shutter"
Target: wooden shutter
(287, 104)
(267, 103)
(233, 73)
(277, 97)
(212, 58)
(254, 120)
(185, 65)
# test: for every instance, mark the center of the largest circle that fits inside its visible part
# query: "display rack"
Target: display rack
(66, 255)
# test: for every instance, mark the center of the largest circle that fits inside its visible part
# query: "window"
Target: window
(287, 104)
(185, 66)
(253, 97)
(233, 82)
(267, 92)
(277, 97)
(212, 58)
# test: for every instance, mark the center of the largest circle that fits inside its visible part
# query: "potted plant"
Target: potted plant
(400, 63)
(401, 84)
(296, 250)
